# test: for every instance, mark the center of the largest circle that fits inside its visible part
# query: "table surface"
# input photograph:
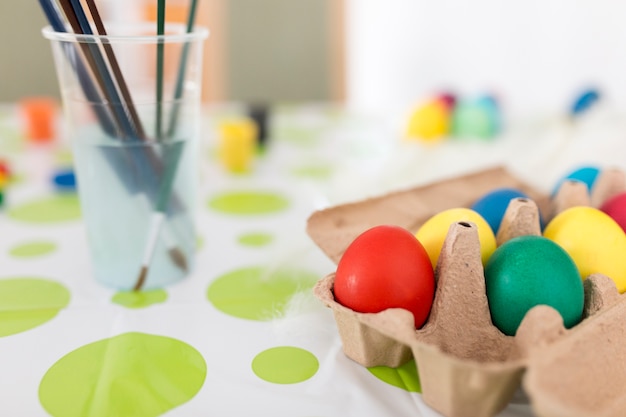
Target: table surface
(243, 335)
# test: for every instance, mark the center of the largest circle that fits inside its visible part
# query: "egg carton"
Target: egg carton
(467, 367)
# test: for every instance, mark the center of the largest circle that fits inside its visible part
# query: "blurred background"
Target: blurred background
(376, 55)
(258, 50)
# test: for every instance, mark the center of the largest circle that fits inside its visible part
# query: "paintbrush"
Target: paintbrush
(85, 28)
(165, 190)
(89, 89)
(75, 16)
(117, 73)
(178, 93)
(157, 217)
(175, 253)
(159, 68)
(98, 103)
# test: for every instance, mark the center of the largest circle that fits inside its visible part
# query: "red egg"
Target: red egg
(615, 207)
(386, 267)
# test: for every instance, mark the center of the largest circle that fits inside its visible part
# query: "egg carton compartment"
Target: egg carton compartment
(467, 367)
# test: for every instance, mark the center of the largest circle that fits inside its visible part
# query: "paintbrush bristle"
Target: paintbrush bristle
(178, 257)
(141, 279)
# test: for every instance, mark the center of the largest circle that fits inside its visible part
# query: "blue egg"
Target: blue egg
(64, 180)
(584, 101)
(493, 205)
(585, 174)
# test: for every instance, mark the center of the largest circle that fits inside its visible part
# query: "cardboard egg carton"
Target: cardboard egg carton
(467, 367)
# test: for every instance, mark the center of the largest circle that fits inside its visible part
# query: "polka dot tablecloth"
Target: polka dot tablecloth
(242, 336)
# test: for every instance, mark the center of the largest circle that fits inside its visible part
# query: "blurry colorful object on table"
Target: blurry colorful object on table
(6, 175)
(39, 117)
(64, 180)
(584, 101)
(430, 122)
(446, 116)
(477, 118)
(5, 172)
(260, 114)
(237, 143)
(448, 99)
(5, 179)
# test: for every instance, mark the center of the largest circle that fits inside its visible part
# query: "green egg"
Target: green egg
(528, 271)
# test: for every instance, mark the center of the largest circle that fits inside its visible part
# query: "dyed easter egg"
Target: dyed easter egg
(584, 174)
(493, 205)
(429, 122)
(386, 267)
(434, 231)
(476, 118)
(615, 207)
(448, 99)
(596, 243)
(527, 271)
(491, 105)
(584, 101)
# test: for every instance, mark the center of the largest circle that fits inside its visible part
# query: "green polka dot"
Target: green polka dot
(32, 249)
(320, 172)
(26, 303)
(248, 203)
(285, 365)
(58, 208)
(255, 239)
(258, 293)
(65, 157)
(404, 376)
(139, 299)
(12, 139)
(16, 179)
(335, 113)
(304, 137)
(129, 375)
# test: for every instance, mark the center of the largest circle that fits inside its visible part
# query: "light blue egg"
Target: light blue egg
(584, 101)
(586, 174)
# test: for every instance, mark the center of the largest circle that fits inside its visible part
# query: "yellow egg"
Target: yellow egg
(433, 233)
(595, 242)
(429, 122)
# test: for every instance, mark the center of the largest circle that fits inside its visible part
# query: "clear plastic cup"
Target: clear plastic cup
(134, 127)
